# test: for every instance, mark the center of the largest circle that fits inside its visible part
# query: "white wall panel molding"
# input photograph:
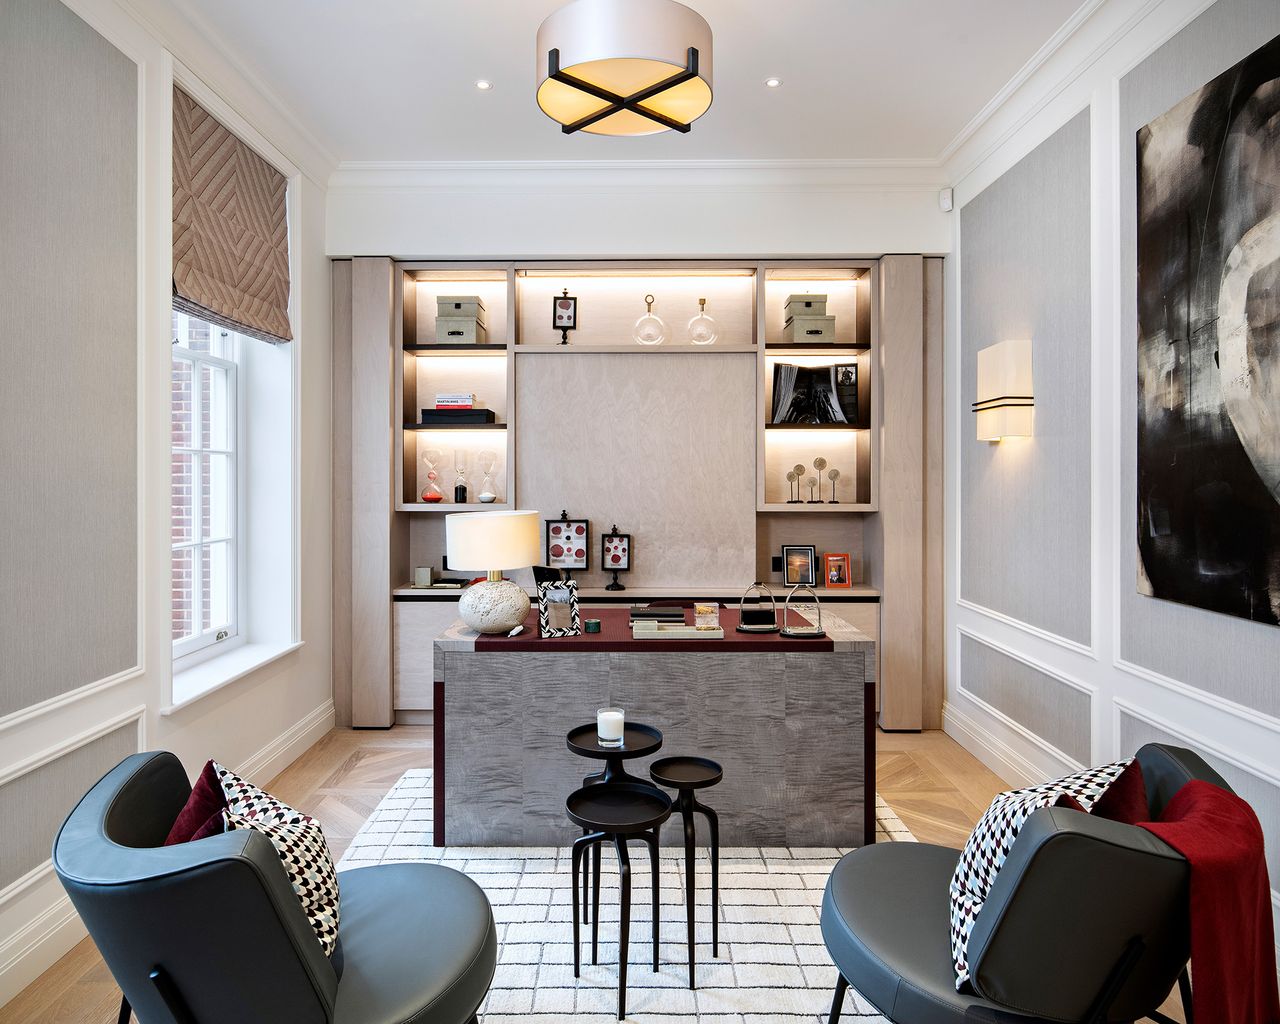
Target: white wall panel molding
(1006, 752)
(17, 769)
(38, 939)
(1248, 717)
(1040, 634)
(62, 701)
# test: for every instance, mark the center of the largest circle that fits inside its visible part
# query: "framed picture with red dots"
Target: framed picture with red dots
(568, 543)
(615, 552)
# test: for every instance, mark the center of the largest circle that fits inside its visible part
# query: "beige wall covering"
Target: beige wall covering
(69, 333)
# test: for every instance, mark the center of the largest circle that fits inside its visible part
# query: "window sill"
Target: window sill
(210, 676)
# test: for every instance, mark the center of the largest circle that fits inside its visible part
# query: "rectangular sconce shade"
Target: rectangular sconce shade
(1006, 402)
(480, 541)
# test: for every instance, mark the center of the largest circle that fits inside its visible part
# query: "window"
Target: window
(205, 519)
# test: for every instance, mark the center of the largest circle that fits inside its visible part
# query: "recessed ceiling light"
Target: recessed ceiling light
(483, 84)
(773, 83)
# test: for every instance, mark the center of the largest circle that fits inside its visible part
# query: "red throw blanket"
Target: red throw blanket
(1233, 952)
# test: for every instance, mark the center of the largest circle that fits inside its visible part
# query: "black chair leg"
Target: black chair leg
(837, 1004)
(126, 1011)
(586, 914)
(713, 826)
(691, 896)
(581, 848)
(1184, 990)
(624, 923)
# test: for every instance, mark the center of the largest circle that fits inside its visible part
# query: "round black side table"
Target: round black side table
(687, 774)
(638, 740)
(616, 812)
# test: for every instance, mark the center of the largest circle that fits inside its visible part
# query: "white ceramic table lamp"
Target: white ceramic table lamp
(492, 542)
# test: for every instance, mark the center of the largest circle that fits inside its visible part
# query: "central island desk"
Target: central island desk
(792, 722)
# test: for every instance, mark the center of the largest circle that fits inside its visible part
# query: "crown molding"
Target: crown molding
(479, 177)
(187, 34)
(1055, 42)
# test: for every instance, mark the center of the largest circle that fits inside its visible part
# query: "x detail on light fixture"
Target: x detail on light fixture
(615, 103)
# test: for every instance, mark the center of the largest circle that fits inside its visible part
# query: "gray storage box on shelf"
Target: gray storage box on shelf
(817, 330)
(805, 305)
(460, 305)
(460, 330)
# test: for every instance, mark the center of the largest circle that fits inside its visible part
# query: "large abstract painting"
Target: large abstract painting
(1209, 345)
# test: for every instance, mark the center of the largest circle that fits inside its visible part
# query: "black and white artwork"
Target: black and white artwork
(806, 394)
(1209, 345)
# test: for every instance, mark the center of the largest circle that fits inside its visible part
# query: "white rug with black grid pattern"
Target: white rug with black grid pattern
(773, 967)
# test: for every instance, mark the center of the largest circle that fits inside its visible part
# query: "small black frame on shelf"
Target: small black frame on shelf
(615, 555)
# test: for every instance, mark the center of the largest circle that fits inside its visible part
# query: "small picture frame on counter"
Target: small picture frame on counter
(837, 571)
(558, 613)
(568, 542)
(564, 315)
(799, 565)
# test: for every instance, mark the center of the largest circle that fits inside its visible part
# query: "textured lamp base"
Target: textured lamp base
(493, 606)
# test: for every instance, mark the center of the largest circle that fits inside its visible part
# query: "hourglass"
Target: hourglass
(488, 461)
(650, 329)
(702, 328)
(460, 484)
(431, 458)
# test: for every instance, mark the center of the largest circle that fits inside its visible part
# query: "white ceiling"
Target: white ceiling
(863, 79)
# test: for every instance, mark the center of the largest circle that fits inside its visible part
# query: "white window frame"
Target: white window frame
(204, 644)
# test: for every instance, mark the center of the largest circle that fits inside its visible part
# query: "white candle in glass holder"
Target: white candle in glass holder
(609, 725)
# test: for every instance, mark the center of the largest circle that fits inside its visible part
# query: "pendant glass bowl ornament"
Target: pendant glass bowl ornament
(432, 494)
(650, 329)
(488, 462)
(702, 328)
(806, 632)
(756, 618)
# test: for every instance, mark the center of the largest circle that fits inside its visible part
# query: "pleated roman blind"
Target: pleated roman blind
(230, 229)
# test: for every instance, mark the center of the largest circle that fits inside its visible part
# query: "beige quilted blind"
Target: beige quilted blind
(230, 231)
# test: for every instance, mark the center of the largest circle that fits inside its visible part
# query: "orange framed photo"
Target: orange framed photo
(837, 570)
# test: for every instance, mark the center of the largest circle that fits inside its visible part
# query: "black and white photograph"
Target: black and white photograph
(1209, 345)
(806, 394)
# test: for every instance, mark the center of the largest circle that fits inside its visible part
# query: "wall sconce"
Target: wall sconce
(1006, 402)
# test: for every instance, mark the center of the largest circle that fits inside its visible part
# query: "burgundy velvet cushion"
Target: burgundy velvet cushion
(1125, 799)
(202, 815)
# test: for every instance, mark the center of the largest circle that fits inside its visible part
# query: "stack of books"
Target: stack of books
(456, 408)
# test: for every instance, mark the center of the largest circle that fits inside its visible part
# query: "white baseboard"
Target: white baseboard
(286, 748)
(33, 949)
(35, 946)
(998, 753)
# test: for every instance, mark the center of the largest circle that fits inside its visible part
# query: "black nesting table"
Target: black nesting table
(637, 741)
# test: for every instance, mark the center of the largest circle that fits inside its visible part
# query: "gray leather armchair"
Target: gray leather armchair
(211, 932)
(1087, 921)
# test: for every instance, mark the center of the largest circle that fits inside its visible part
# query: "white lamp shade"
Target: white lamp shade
(1005, 405)
(480, 541)
(624, 46)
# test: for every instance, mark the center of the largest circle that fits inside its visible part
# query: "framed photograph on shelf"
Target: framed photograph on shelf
(799, 565)
(568, 542)
(837, 571)
(558, 613)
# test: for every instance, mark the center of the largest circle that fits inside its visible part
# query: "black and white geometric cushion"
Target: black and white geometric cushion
(250, 801)
(305, 855)
(990, 842)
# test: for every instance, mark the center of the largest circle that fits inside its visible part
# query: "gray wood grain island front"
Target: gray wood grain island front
(792, 725)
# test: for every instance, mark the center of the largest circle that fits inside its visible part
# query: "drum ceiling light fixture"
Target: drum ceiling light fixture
(624, 67)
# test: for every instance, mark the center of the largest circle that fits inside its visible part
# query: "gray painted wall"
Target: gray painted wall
(41, 799)
(1176, 640)
(68, 331)
(1024, 273)
(1052, 709)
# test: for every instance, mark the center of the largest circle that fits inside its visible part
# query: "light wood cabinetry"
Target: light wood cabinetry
(385, 345)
